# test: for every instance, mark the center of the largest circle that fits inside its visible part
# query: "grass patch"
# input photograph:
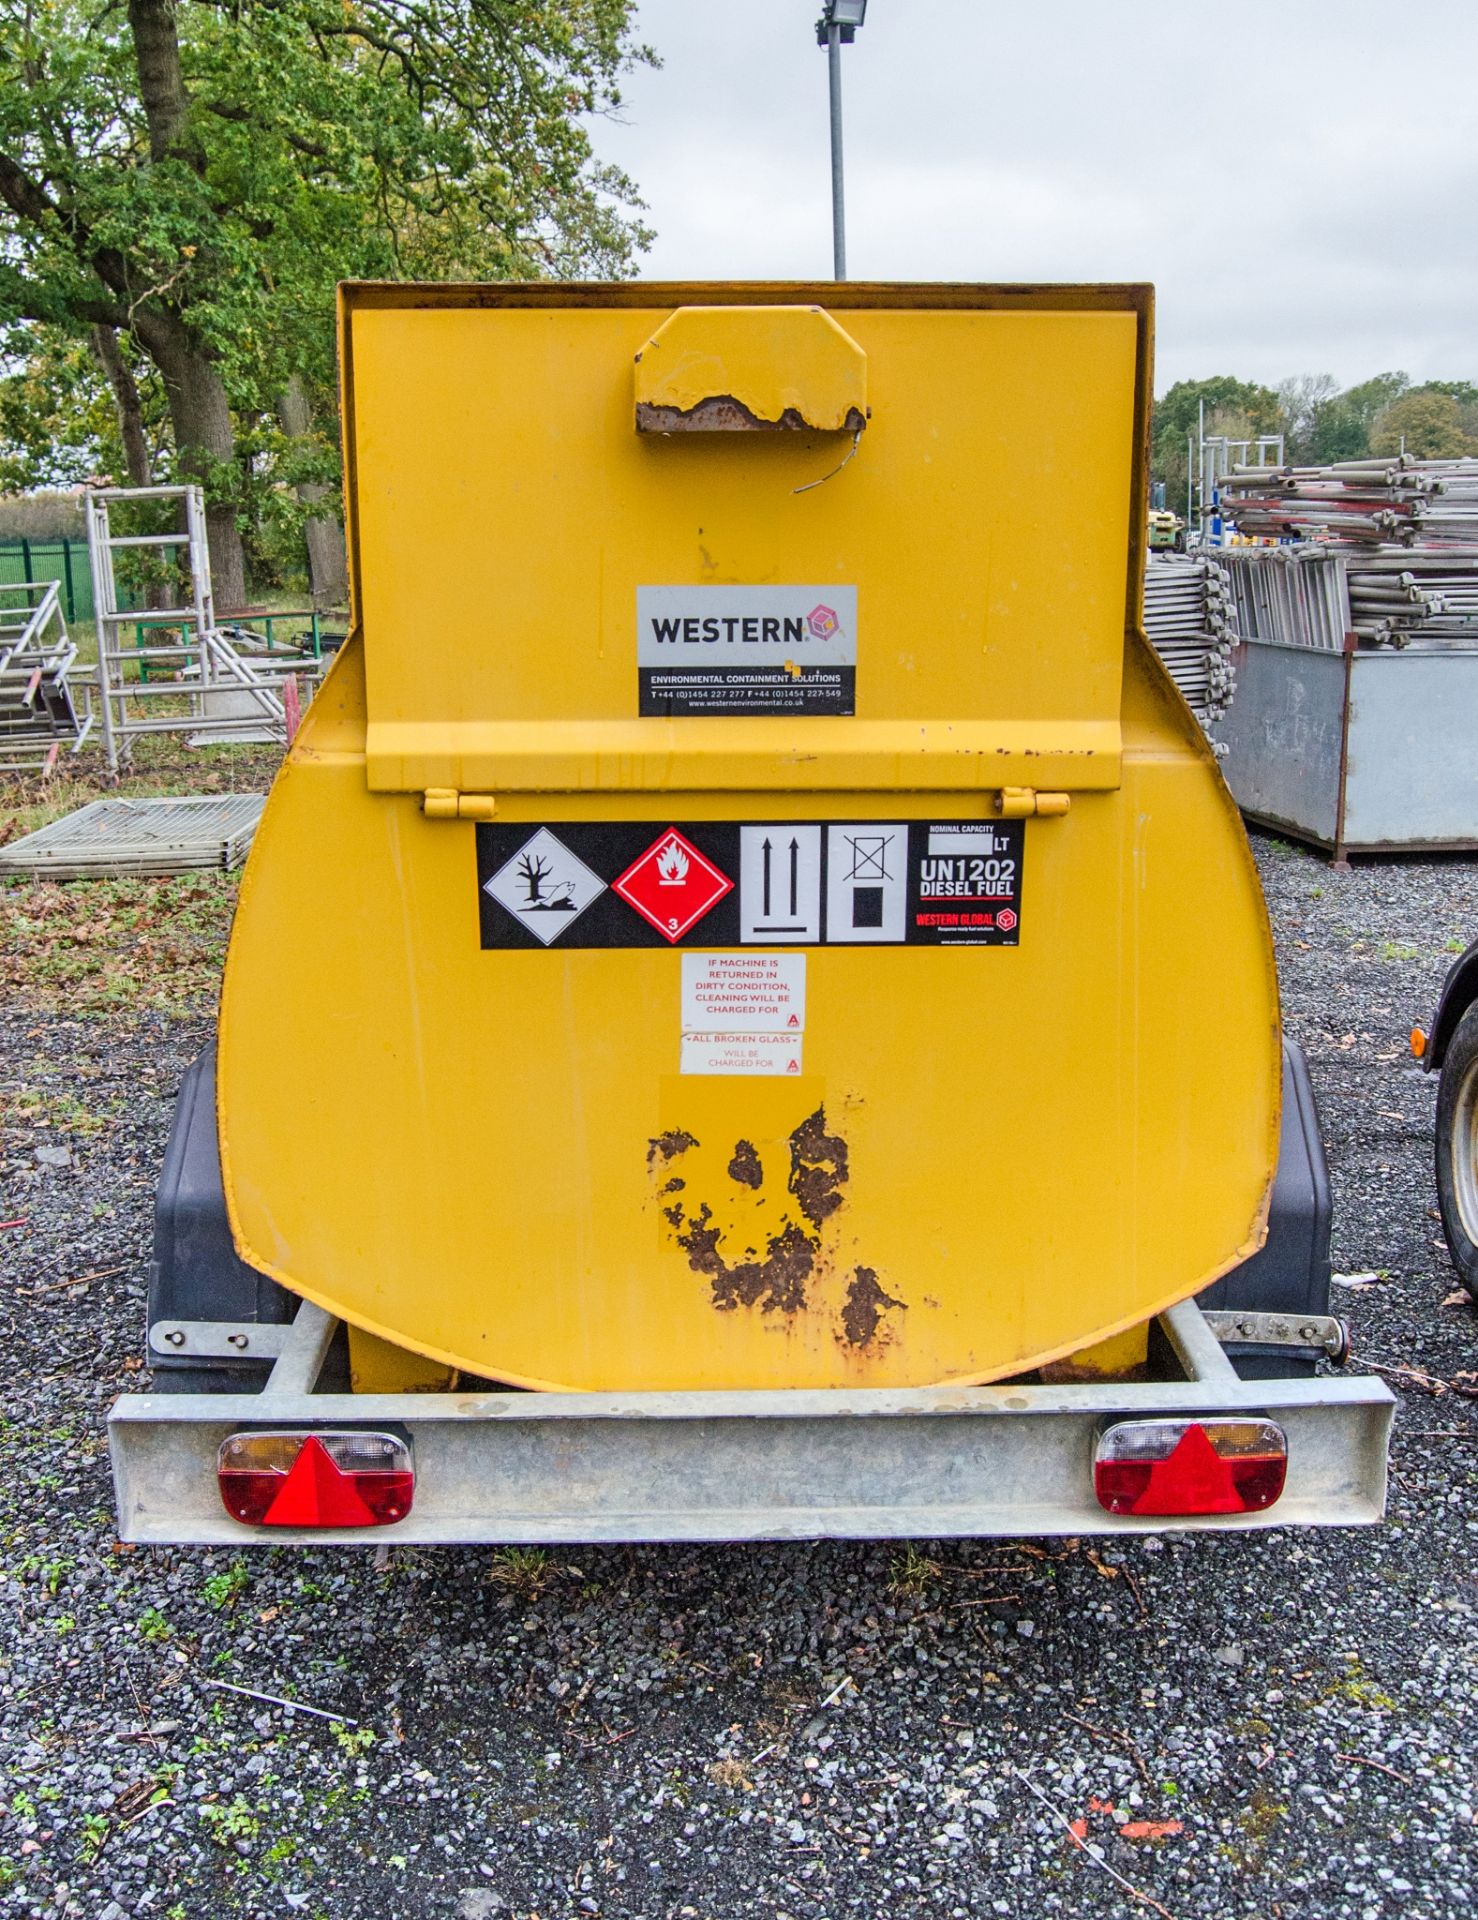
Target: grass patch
(525, 1571)
(911, 1573)
(131, 945)
(96, 946)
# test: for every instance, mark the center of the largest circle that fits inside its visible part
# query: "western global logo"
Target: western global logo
(735, 650)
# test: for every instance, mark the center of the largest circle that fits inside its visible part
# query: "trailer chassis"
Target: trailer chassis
(930, 1462)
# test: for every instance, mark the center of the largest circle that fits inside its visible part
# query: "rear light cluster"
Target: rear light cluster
(1161, 1467)
(345, 1479)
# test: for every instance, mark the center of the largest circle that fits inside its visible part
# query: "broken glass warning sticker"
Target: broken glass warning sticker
(544, 886)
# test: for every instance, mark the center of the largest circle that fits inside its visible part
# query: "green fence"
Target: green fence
(60, 559)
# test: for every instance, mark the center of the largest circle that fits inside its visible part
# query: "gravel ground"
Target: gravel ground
(1277, 1725)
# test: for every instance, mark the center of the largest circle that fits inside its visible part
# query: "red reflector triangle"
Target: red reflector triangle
(1193, 1478)
(316, 1494)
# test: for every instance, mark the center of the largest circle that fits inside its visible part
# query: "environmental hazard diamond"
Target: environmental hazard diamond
(672, 885)
(544, 886)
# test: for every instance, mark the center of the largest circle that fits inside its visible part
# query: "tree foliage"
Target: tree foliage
(196, 175)
(1427, 422)
(1239, 408)
(1320, 422)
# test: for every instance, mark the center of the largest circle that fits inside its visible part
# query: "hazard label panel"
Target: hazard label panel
(672, 885)
(767, 1053)
(544, 886)
(965, 883)
(744, 992)
(717, 650)
(736, 884)
(780, 883)
(867, 883)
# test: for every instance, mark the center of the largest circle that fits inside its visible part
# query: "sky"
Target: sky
(1298, 180)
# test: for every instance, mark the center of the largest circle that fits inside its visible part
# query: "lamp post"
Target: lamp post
(837, 28)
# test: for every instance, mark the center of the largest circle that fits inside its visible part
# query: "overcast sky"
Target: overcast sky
(1299, 180)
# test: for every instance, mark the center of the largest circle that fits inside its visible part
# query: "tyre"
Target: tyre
(1457, 1148)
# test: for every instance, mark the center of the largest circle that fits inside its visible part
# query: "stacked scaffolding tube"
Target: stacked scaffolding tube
(1396, 500)
(1190, 619)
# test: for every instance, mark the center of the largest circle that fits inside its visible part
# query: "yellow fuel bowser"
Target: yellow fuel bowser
(772, 954)
(775, 923)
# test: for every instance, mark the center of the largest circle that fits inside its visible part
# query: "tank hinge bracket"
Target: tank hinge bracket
(1017, 803)
(1311, 1331)
(445, 803)
(219, 1339)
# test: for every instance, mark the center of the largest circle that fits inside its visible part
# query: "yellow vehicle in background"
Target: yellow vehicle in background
(797, 1049)
(1164, 531)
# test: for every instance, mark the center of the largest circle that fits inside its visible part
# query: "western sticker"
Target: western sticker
(967, 883)
(728, 650)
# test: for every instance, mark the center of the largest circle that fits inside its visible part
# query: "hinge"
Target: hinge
(445, 803)
(1017, 803)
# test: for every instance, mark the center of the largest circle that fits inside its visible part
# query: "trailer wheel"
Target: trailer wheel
(1457, 1148)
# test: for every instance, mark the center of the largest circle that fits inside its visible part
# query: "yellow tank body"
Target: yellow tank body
(659, 1025)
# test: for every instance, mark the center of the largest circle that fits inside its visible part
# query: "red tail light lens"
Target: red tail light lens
(347, 1479)
(1162, 1467)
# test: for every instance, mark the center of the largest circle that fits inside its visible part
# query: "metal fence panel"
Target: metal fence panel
(62, 559)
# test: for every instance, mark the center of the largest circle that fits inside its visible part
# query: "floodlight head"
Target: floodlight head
(845, 15)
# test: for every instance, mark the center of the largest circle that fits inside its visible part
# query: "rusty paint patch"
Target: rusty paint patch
(667, 1146)
(722, 413)
(865, 1307)
(776, 1284)
(776, 1273)
(745, 1166)
(818, 1168)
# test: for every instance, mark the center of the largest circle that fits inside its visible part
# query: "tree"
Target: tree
(1340, 427)
(1179, 413)
(1302, 400)
(1426, 422)
(1336, 432)
(60, 419)
(194, 176)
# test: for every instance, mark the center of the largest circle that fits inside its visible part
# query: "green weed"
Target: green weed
(153, 1625)
(912, 1573)
(525, 1571)
(224, 1589)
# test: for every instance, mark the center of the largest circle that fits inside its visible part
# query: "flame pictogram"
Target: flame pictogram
(672, 885)
(672, 865)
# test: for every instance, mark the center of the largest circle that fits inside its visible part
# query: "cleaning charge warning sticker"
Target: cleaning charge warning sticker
(741, 883)
(743, 1012)
(744, 992)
